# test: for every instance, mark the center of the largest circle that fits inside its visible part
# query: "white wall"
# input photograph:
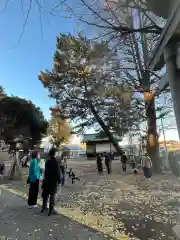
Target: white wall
(105, 147)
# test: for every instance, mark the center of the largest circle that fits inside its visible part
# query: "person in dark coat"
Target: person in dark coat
(2, 170)
(124, 162)
(108, 161)
(50, 182)
(99, 164)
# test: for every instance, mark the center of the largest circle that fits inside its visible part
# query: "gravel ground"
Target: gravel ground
(121, 205)
(17, 222)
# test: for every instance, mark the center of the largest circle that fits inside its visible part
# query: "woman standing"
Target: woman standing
(33, 180)
(124, 160)
(147, 166)
(108, 161)
(99, 164)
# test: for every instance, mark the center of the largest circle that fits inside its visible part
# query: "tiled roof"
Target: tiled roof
(89, 137)
(94, 137)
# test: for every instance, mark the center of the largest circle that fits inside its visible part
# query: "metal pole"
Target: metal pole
(164, 136)
(174, 79)
(166, 150)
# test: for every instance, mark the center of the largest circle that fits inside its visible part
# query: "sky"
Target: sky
(21, 59)
(20, 63)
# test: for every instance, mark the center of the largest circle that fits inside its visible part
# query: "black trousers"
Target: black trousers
(99, 167)
(62, 168)
(124, 167)
(75, 178)
(33, 193)
(51, 198)
(108, 167)
(147, 172)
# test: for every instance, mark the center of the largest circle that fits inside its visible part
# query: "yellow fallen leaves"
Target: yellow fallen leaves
(97, 222)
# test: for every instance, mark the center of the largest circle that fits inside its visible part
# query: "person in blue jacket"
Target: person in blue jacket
(33, 180)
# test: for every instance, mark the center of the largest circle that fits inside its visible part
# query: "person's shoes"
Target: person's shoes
(53, 212)
(44, 209)
(32, 206)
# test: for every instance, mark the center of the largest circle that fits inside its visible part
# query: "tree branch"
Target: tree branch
(25, 22)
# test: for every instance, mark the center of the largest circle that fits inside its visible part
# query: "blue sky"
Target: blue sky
(20, 64)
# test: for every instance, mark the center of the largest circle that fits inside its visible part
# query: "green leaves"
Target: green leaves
(19, 116)
(83, 76)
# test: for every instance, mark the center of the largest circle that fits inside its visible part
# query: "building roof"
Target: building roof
(89, 137)
(95, 138)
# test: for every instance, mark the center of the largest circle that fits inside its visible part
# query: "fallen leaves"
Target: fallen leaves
(122, 207)
(119, 199)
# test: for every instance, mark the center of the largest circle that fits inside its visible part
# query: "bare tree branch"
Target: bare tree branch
(41, 25)
(22, 7)
(5, 6)
(25, 22)
(98, 15)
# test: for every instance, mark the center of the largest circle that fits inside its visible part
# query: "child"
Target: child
(72, 175)
(134, 168)
(63, 167)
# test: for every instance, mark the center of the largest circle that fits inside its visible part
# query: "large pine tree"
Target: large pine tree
(84, 83)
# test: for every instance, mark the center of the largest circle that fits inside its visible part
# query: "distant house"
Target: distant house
(171, 145)
(95, 144)
(74, 151)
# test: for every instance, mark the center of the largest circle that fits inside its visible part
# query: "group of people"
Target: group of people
(146, 164)
(53, 174)
(107, 158)
(50, 181)
(52, 177)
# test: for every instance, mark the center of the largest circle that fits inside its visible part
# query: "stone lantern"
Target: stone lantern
(16, 144)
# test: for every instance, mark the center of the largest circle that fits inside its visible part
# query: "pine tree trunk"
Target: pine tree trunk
(106, 130)
(152, 137)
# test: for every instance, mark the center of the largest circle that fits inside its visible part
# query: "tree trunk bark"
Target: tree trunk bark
(106, 130)
(152, 136)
